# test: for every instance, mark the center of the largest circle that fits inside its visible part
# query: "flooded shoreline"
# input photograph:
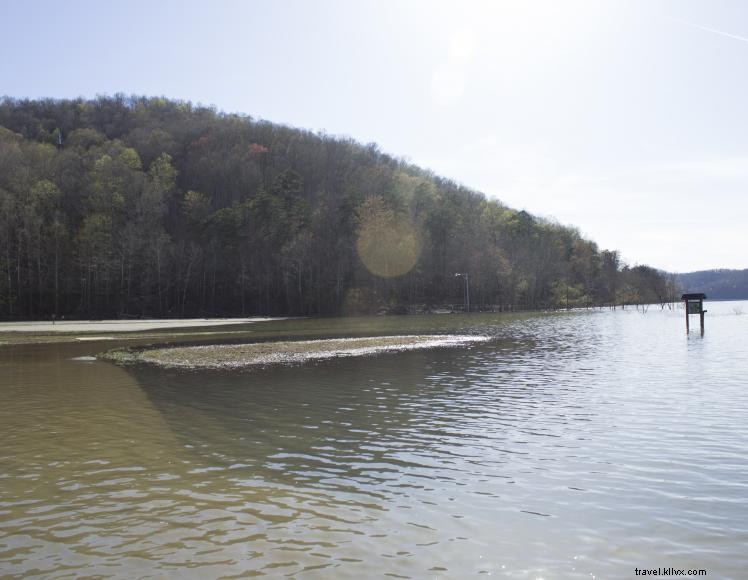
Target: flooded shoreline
(571, 445)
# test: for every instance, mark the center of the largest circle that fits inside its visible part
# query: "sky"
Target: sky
(627, 119)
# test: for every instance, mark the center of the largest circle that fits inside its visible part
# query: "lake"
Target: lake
(571, 445)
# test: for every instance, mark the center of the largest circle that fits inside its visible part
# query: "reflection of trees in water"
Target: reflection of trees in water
(329, 423)
(356, 424)
(307, 457)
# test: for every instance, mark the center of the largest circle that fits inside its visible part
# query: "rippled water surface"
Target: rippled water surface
(573, 445)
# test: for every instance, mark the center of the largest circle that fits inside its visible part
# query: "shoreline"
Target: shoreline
(69, 326)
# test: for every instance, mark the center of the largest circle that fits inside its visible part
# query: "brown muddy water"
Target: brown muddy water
(574, 445)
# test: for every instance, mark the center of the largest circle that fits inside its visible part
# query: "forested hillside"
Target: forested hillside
(717, 284)
(134, 206)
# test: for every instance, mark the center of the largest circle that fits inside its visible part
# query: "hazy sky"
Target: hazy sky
(627, 119)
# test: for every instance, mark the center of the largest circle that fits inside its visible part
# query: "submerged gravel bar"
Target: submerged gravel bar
(229, 356)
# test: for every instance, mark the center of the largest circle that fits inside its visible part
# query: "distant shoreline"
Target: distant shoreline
(60, 326)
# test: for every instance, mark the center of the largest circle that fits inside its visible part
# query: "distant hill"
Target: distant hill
(717, 284)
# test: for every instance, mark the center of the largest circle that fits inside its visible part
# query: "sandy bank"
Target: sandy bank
(233, 356)
(122, 325)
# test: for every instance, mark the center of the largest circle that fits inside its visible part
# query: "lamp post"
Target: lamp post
(467, 288)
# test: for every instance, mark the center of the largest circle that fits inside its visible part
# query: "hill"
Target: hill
(136, 206)
(717, 284)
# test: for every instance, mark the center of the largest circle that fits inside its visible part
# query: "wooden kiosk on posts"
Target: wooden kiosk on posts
(694, 305)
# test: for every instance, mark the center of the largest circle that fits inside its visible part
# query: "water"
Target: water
(575, 445)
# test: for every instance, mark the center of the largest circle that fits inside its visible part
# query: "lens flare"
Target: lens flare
(388, 246)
